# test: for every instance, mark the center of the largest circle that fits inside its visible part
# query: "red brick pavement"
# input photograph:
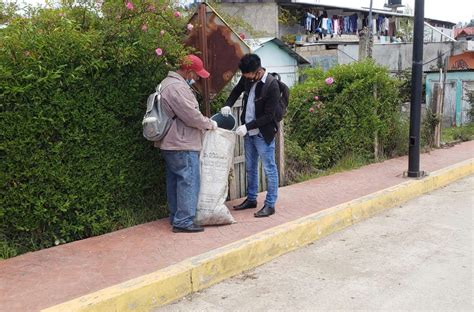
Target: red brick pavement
(37, 280)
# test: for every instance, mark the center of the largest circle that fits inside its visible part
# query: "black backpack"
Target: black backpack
(282, 106)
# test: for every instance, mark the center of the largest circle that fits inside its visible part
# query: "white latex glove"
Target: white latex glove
(241, 130)
(214, 125)
(225, 111)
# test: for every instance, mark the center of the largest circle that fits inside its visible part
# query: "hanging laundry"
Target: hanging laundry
(314, 24)
(309, 18)
(359, 23)
(353, 21)
(386, 26)
(329, 26)
(336, 25)
(392, 28)
(324, 24)
(347, 25)
(341, 25)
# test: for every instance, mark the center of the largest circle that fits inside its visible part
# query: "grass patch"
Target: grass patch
(348, 162)
(463, 133)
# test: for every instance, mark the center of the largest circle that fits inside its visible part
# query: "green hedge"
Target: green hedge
(330, 121)
(73, 87)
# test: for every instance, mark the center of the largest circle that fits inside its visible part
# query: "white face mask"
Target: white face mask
(190, 81)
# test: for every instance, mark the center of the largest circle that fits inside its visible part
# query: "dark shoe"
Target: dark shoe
(193, 228)
(266, 211)
(246, 205)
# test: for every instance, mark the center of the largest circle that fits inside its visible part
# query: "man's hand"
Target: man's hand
(225, 111)
(241, 130)
(214, 125)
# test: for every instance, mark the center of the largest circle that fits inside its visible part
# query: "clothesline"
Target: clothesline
(318, 22)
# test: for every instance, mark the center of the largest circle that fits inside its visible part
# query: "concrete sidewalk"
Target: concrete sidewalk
(148, 265)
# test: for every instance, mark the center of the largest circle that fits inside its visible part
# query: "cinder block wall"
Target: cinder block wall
(263, 17)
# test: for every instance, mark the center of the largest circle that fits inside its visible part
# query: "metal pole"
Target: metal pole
(439, 32)
(204, 55)
(370, 18)
(416, 81)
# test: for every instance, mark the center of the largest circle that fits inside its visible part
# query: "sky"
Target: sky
(452, 10)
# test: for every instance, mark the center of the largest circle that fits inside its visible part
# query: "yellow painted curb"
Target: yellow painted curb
(168, 284)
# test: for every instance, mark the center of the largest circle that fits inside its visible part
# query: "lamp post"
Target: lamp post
(416, 81)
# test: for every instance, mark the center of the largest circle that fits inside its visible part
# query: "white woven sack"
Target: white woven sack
(216, 160)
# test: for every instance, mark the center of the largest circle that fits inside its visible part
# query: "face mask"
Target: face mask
(254, 78)
(190, 81)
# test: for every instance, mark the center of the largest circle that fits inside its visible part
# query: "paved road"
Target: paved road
(418, 256)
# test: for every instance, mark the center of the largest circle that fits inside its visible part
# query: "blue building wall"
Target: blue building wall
(455, 103)
(275, 59)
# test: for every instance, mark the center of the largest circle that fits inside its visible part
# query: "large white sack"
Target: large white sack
(216, 160)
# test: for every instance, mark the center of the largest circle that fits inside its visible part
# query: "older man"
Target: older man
(181, 145)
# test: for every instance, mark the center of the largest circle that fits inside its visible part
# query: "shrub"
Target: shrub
(428, 127)
(346, 114)
(73, 87)
(301, 163)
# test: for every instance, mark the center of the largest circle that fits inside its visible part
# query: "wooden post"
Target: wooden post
(280, 153)
(363, 38)
(377, 149)
(437, 109)
(204, 55)
(366, 43)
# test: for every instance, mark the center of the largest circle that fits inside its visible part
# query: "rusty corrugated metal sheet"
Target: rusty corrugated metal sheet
(224, 49)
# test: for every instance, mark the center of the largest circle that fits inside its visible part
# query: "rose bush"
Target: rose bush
(73, 86)
(343, 112)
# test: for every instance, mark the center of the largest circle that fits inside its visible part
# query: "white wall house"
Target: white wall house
(278, 57)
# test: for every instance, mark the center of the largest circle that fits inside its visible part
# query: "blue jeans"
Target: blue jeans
(255, 147)
(182, 185)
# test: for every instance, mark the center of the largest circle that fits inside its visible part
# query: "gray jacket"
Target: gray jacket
(185, 133)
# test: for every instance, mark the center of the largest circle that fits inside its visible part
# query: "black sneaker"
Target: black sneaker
(193, 228)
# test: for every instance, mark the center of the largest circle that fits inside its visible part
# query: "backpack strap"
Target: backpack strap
(159, 90)
(267, 84)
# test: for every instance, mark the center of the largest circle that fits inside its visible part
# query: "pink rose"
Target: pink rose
(190, 27)
(162, 32)
(144, 27)
(311, 110)
(329, 81)
(316, 98)
(177, 14)
(129, 5)
(159, 52)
